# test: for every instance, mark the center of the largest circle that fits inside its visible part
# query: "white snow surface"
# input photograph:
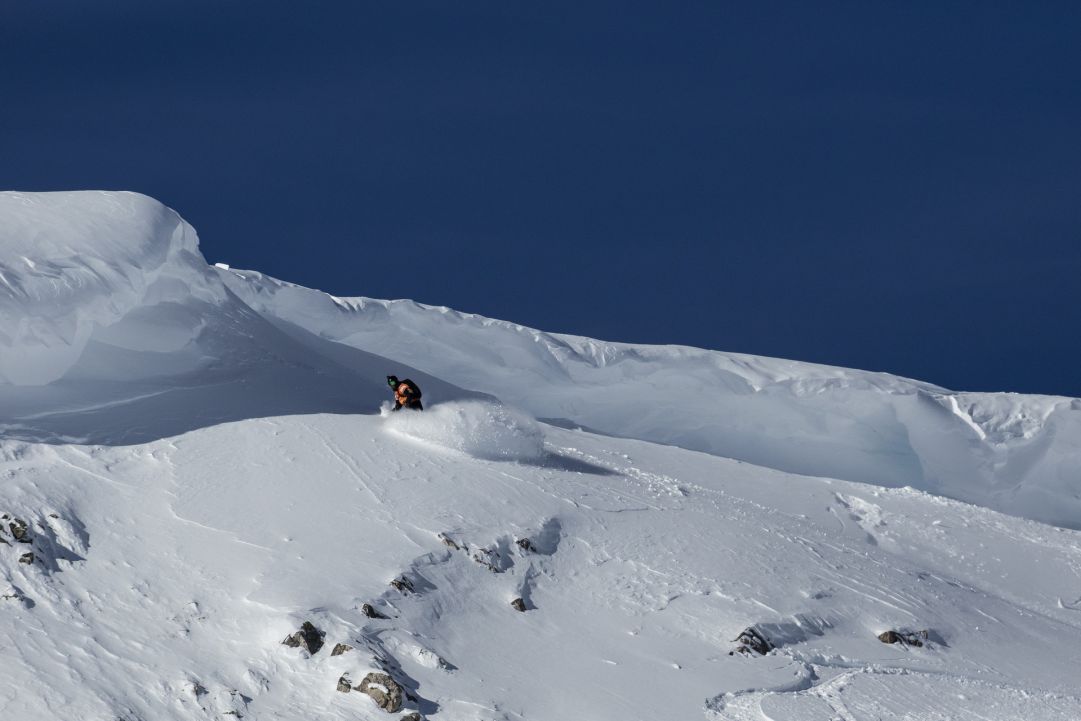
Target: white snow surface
(1020, 454)
(195, 462)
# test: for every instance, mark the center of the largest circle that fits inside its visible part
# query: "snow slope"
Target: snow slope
(182, 564)
(192, 465)
(115, 330)
(1020, 454)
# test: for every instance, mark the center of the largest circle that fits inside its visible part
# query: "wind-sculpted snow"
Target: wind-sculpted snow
(1016, 453)
(73, 264)
(113, 329)
(482, 430)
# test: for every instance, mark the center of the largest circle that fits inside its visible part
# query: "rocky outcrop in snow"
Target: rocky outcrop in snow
(384, 690)
(309, 637)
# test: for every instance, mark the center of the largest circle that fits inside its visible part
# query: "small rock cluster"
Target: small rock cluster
(905, 638)
(751, 640)
(44, 543)
(526, 545)
(495, 558)
(19, 531)
(403, 585)
(309, 637)
(387, 693)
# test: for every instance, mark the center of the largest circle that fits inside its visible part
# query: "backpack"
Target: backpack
(414, 390)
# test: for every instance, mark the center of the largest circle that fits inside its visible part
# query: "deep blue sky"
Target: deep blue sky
(891, 186)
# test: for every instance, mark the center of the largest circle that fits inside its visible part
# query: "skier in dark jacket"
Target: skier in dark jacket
(406, 394)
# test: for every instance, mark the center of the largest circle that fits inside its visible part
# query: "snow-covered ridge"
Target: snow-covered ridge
(73, 263)
(107, 295)
(113, 329)
(1017, 453)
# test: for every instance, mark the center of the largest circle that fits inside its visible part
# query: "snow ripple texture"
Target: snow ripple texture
(482, 430)
(74, 263)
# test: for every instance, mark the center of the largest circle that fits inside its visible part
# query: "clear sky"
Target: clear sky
(885, 185)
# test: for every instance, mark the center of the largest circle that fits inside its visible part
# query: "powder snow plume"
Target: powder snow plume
(483, 430)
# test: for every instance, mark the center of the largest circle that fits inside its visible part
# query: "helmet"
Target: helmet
(392, 381)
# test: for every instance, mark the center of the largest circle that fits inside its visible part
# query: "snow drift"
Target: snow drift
(482, 430)
(72, 264)
(113, 329)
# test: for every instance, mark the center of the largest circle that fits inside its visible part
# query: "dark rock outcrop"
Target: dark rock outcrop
(403, 584)
(20, 530)
(370, 611)
(27, 558)
(412, 717)
(310, 637)
(518, 605)
(339, 649)
(344, 684)
(905, 638)
(751, 640)
(449, 542)
(526, 545)
(384, 690)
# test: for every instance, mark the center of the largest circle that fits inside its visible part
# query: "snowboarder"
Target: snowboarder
(406, 394)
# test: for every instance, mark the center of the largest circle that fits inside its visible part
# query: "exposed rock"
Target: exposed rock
(905, 638)
(449, 542)
(489, 558)
(20, 530)
(308, 636)
(26, 558)
(340, 649)
(412, 717)
(403, 584)
(344, 684)
(518, 605)
(750, 641)
(384, 690)
(370, 611)
(526, 545)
